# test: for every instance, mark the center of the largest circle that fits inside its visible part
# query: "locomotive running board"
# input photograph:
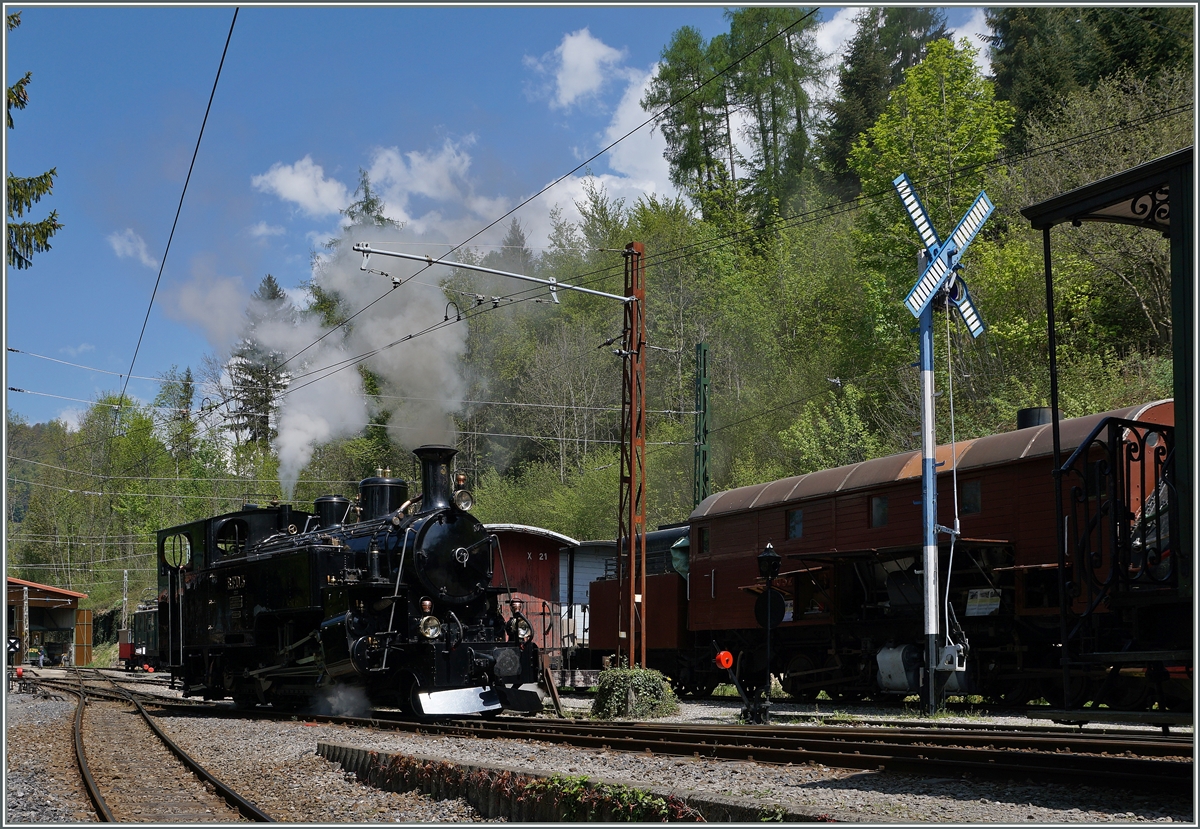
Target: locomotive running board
(458, 701)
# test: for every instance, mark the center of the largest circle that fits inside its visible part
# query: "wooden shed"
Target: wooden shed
(42, 616)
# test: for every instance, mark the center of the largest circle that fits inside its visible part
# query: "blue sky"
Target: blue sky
(459, 114)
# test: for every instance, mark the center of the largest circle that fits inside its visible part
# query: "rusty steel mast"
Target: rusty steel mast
(631, 517)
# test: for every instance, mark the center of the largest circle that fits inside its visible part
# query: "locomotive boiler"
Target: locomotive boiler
(390, 594)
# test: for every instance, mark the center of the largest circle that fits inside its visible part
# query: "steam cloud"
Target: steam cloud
(421, 382)
(344, 701)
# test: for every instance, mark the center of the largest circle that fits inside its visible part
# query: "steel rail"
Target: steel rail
(245, 807)
(1144, 743)
(102, 810)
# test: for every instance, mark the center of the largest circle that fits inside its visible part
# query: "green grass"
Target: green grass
(103, 656)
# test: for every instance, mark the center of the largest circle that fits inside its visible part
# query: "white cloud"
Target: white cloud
(129, 244)
(304, 184)
(581, 66)
(640, 156)
(262, 229)
(975, 26)
(75, 351)
(441, 176)
(833, 36)
(72, 418)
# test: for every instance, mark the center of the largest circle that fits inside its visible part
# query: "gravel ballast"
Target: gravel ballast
(275, 764)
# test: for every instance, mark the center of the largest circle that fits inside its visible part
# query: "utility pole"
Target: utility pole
(631, 517)
(700, 481)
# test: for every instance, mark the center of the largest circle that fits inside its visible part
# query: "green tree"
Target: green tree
(886, 42)
(1042, 54)
(942, 127)
(769, 87)
(697, 129)
(514, 254)
(174, 412)
(366, 209)
(255, 374)
(26, 238)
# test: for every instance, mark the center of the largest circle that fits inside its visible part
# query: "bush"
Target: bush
(636, 693)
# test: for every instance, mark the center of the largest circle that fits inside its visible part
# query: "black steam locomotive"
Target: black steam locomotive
(275, 605)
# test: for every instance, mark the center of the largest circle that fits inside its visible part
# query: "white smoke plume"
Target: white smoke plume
(344, 701)
(419, 369)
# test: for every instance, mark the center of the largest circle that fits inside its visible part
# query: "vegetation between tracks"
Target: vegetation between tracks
(522, 797)
(633, 692)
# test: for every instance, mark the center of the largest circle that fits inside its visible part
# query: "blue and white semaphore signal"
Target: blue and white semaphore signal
(939, 266)
(943, 257)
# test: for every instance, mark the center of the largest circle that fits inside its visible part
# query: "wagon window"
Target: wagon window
(972, 498)
(879, 510)
(795, 523)
(704, 540)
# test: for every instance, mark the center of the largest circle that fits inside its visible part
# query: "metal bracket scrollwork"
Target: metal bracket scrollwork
(1154, 208)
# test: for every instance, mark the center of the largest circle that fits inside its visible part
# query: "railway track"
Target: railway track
(134, 773)
(1161, 763)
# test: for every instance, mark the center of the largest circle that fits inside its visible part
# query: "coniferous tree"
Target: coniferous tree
(26, 238)
(255, 372)
(697, 129)
(1040, 55)
(769, 86)
(886, 43)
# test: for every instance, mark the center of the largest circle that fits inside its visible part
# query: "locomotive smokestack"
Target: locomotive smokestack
(435, 475)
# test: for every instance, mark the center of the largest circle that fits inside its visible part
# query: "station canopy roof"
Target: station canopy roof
(1140, 196)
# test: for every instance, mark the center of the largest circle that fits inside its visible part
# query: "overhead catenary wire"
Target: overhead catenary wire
(365, 395)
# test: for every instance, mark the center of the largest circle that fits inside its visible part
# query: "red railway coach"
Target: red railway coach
(850, 584)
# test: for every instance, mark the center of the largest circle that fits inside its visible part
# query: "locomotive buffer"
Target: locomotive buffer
(939, 264)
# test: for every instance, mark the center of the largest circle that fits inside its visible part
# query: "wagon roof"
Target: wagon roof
(1022, 444)
(565, 540)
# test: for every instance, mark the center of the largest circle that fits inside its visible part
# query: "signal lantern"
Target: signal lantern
(724, 660)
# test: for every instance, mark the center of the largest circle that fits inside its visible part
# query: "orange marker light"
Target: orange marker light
(20, 673)
(724, 659)
(149, 669)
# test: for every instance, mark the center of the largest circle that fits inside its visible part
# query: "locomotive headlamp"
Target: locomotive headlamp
(426, 605)
(464, 500)
(430, 627)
